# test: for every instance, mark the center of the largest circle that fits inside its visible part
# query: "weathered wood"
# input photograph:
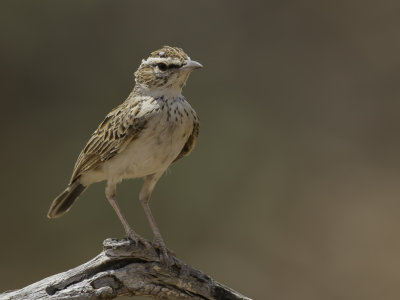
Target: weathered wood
(126, 269)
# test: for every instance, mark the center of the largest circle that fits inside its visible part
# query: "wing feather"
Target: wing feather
(120, 127)
(190, 143)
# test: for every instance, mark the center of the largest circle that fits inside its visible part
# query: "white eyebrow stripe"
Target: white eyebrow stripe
(155, 60)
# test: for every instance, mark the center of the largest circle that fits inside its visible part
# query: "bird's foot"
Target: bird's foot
(166, 255)
(137, 238)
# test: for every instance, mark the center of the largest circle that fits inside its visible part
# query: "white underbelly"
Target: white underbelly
(150, 153)
(153, 150)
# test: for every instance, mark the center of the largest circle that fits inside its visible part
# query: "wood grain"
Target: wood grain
(126, 269)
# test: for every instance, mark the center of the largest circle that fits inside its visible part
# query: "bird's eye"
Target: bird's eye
(162, 66)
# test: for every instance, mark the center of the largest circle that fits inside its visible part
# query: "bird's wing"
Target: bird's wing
(120, 127)
(190, 143)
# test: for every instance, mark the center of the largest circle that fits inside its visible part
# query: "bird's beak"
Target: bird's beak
(191, 65)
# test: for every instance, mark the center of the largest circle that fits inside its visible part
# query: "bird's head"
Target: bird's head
(165, 71)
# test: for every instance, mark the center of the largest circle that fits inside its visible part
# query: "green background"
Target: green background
(293, 189)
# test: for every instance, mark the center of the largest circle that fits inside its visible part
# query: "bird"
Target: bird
(154, 127)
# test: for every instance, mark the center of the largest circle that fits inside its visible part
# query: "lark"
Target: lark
(154, 127)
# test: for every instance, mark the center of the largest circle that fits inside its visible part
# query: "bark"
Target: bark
(126, 269)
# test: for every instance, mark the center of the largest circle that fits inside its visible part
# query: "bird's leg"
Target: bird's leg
(110, 194)
(144, 197)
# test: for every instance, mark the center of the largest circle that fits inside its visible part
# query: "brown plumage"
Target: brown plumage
(154, 127)
(119, 128)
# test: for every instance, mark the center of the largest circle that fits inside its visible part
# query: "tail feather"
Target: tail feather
(64, 201)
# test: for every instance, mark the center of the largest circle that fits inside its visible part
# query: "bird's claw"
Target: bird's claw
(137, 238)
(166, 255)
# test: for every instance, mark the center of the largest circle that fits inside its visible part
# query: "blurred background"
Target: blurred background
(293, 189)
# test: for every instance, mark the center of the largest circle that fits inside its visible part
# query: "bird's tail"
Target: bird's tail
(64, 201)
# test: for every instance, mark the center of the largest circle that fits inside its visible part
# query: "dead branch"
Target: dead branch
(126, 269)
